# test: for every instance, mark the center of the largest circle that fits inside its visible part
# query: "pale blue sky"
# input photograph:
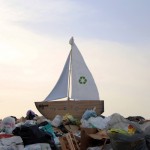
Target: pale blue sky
(123, 21)
(113, 37)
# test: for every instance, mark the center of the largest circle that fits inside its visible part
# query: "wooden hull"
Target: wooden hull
(75, 108)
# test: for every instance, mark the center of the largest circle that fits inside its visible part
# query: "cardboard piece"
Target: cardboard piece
(99, 135)
(72, 128)
(76, 108)
(69, 142)
(90, 136)
(86, 140)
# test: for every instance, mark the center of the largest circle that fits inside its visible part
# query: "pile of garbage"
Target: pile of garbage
(91, 132)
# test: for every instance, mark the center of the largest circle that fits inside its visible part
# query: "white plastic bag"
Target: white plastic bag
(57, 121)
(99, 122)
(8, 125)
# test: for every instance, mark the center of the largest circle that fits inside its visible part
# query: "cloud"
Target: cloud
(34, 10)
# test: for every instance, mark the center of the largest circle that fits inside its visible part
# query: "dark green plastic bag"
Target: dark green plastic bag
(127, 142)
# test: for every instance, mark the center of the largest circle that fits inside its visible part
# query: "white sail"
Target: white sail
(83, 84)
(82, 87)
(61, 88)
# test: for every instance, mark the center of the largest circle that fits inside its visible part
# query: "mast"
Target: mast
(70, 68)
(69, 76)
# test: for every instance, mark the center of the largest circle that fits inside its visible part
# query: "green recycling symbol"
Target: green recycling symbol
(82, 80)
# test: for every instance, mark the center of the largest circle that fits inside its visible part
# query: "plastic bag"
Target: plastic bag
(57, 121)
(121, 141)
(89, 113)
(38, 146)
(98, 122)
(147, 136)
(69, 119)
(8, 124)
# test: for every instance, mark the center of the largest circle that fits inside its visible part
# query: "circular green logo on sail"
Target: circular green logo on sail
(82, 80)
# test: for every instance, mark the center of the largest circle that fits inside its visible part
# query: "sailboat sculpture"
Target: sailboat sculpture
(76, 85)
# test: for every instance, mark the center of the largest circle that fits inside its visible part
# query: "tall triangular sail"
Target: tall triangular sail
(61, 88)
(83, 84)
